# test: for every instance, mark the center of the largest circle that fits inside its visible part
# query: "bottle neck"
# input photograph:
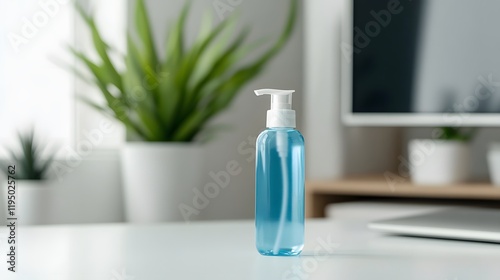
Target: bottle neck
(282, 118)
(281, 128)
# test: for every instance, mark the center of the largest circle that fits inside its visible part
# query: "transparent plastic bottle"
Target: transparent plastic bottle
(279, 203)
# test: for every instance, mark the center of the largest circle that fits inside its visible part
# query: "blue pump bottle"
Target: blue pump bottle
(279, 180)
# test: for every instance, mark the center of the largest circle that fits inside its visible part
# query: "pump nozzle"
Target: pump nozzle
(281, 113)
(280, 99)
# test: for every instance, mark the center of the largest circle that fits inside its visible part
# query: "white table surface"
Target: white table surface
(225, 250)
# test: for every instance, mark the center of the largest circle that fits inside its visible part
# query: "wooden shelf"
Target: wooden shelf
(321, 193)
(379, 186)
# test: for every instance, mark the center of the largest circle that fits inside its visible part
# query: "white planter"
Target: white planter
(438, 162)
(494, 163)
(157, 178)
(33, 201)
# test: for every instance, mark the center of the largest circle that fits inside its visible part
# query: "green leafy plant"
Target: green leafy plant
(174, 98)
(29, 165)
(456, 134)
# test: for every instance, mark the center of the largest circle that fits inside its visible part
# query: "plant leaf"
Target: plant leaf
(102, 49)
(185, 70)
(174, 47)
(144, 31)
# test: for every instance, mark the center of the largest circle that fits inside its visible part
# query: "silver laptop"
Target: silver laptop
(475, 224)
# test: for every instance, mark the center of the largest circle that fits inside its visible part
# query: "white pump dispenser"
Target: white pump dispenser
(281, 113)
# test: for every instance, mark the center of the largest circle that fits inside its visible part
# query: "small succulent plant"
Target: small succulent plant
(457, 134)
(28, 161)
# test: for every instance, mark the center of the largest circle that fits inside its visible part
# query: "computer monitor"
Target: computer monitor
(421, 63)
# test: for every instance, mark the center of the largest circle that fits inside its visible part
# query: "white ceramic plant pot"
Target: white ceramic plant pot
(438, 162)
(33, 201)
(157, 178)
(494, 163)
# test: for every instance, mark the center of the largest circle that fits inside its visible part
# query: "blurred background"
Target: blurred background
(103, 127)
(37, 90)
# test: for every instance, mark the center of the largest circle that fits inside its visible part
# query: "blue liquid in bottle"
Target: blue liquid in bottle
(280, 183)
